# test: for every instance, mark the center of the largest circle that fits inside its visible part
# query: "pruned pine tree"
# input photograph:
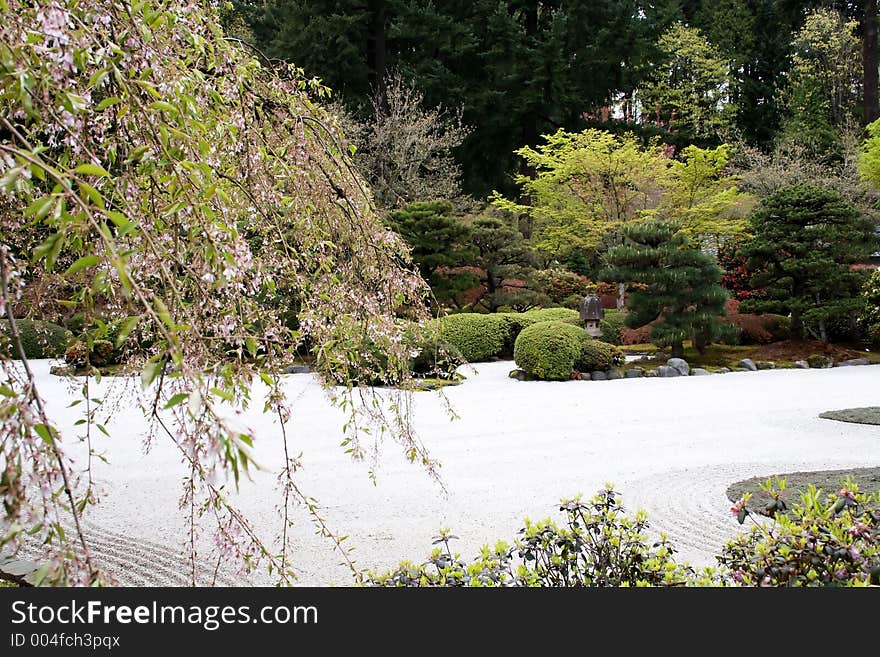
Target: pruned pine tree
(673, 285)
(805, 239)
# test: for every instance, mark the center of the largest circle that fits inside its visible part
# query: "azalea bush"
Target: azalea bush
(737, 278)
(171, 181)
(824, 540)
(594, 544)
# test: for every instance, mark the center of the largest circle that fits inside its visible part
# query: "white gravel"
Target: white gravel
(670, 446)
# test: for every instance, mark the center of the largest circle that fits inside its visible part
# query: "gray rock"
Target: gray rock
(765, 365)
(665, 371)
(598, 376)
(802, 364)
(519, 375)
(680, 365)
(854, 361)
(635, 373)
(748, 364)
(62, 370)
(723, 370)
(17, 568)
(297, 369)
(699, 371)
(651, 374)
(613, 375)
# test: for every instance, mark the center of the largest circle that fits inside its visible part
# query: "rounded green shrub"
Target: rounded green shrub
(39, 339)
(611, 326)
(573, 301)
(598, 355)
(549, 350)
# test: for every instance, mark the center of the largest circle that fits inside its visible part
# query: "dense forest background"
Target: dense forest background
(520, 69)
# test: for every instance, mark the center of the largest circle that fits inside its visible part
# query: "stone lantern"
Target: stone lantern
(592, 313)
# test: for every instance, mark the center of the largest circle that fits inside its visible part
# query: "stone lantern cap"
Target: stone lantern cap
(591, 308)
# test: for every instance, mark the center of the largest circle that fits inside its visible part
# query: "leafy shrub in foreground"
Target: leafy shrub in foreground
(595, 545)
(825, 540)
(549, 350)
(39, 339)
(598, 355)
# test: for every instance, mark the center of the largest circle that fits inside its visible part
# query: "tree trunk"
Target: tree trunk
(491, 289)
(796, 326)
(823, 332)
(869, 58)
(528, 122)
(376, 49)
(621, 296)
(677, 350)
(700, 342)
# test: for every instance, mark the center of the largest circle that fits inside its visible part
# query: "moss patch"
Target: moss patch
(829, 481)
(867, 415)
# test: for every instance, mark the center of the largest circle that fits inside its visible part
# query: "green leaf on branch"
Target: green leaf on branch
(82, 263)
(92, 170)
(176, 400)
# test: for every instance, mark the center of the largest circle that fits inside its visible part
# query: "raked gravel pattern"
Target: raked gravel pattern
(670, 447)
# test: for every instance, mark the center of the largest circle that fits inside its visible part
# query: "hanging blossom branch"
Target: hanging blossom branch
(162, 178)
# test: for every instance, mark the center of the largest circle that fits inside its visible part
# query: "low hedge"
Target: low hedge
(477, 337)
(549, 350)
(39, 339)
(481, 337)
(553, 315)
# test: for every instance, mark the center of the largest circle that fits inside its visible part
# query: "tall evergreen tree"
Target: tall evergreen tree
(805, 239)
(677, 286)
(519, 68)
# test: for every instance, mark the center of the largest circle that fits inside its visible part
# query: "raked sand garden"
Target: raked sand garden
(670, 446)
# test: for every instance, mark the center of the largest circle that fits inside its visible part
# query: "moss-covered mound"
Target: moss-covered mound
(866, 415)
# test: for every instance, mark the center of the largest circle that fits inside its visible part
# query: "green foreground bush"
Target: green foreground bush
(826, 540)
(39, 339)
